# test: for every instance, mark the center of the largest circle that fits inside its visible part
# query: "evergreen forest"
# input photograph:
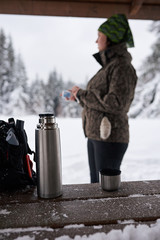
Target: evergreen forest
(17, 96)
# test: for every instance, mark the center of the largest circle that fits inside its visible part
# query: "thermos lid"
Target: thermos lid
(46, 115)
(110, 172)
(47, 121)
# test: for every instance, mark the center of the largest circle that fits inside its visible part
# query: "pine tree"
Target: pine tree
(147, 97)
(18, 95)
(52, 93)
(13, 79)
(151, 65)
(37, 96)
(7, 64)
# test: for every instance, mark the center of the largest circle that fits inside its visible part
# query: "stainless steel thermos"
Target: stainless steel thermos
(48, 157)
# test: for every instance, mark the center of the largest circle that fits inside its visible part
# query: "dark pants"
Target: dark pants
(102, 155)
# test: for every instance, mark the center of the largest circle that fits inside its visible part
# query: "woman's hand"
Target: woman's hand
(74, 90)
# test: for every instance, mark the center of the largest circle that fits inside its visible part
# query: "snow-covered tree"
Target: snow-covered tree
(147, 97)
(53, 89)
(19, 96)
(6, 69)
(37, 96)
(13, 79)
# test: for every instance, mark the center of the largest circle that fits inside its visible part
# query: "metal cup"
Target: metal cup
(110, 179)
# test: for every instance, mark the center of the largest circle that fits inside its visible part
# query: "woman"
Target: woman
(108, 96)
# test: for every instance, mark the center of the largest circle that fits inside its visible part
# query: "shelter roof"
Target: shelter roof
(134, 9)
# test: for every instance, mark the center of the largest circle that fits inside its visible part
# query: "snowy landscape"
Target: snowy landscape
(142, 159)
(21, 95)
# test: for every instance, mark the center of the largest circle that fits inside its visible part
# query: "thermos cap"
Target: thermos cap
(47, 121)
(46, 115)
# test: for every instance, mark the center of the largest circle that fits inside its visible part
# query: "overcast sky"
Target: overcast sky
(66, 44)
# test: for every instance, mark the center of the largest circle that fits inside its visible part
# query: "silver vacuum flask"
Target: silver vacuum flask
(48, 157)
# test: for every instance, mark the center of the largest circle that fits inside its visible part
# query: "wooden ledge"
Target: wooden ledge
(82, 209)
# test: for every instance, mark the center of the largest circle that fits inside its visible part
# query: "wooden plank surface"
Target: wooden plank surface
(82, 209)
(85, 191)
(88, 212)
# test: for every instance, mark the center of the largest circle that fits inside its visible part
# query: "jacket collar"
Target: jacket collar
(103, 57)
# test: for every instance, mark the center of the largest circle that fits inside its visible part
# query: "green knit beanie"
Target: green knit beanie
(117, 29)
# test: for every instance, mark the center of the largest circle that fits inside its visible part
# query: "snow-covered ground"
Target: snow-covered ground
(141, 161)
(130, 232)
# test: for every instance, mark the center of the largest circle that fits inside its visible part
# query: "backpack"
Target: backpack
(15, 164)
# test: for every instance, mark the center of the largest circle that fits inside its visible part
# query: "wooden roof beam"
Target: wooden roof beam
(139, 9)
(135, 6)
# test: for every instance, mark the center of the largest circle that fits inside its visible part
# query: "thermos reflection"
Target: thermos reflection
(48, 157)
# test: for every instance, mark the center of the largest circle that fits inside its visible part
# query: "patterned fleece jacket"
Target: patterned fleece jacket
(108, 96)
